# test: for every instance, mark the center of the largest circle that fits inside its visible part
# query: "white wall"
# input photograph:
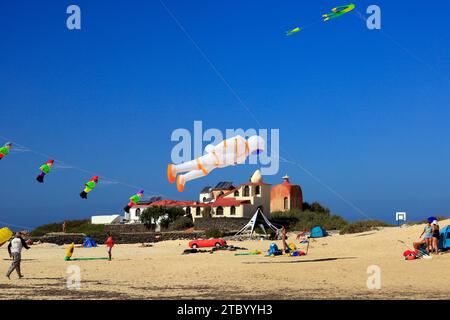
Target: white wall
(133, 216)
(115, 218)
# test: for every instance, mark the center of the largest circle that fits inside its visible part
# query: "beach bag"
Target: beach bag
(273, 250)
(409, 255)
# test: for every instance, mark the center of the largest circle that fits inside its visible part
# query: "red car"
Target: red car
(213, 242)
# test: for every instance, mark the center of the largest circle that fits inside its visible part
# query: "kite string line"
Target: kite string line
(340, 196)
(211, 64)
(241, 102)
(406, 50)
(70, 166)
(311, 24)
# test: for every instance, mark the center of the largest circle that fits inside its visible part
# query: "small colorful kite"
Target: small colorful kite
(293, 31)
(89, 186)
(5, 150)
(45, 169)
(338, 11)
(134, 200)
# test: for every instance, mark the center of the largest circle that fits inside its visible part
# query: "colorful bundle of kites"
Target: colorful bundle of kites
(88, 186)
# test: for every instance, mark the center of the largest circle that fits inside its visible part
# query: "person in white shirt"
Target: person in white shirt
(15, 252)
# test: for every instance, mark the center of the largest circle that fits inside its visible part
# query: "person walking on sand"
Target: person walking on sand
(427, 235)
(15, 252)
(64, 227)
(435, 237)
(109, 244)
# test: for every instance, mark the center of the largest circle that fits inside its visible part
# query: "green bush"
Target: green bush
(164, 223)
(301, 220)
(72, 226)
(214, 233)
(362, 226)
(182, 223)
(153, 213)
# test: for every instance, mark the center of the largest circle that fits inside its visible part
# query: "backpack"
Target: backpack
(273, 250)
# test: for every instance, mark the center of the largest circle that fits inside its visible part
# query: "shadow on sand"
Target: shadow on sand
(302, 261)
(364, 234)
(9, 259)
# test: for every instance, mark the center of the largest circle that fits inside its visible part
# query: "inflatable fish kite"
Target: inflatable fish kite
(45, 169)
(69, 251)
(338, 11)
(134, 200)
(229, 152)
(5, 150)
(89, 186)
(293, 31)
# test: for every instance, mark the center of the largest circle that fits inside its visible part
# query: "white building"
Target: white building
(106, 219)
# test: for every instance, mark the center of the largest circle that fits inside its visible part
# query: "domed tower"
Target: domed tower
(286, 196)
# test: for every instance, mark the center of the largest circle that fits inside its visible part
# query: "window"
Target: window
(246, 191)
(198, 212)
(258, 190)
(233, 211)
(188, 210)
(138, 212)
(219, 211)
(286, 203)
(236, 193)
(204, 199)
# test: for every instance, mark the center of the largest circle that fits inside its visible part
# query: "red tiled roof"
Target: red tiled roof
(227, 202)
(172, 203)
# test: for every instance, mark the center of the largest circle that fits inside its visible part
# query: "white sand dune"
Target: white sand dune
(335, 268)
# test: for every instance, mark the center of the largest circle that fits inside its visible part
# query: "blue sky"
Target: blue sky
(365, 111)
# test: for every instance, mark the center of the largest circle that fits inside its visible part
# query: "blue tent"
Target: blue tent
(89, 243)
(318, 232)
(444, 241)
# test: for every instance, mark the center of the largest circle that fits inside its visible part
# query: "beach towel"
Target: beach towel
(249, 253)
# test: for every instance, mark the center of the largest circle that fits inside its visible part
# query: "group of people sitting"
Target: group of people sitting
(430, 237)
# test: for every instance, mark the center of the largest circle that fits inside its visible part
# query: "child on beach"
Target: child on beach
(427, 234)
(109, 244)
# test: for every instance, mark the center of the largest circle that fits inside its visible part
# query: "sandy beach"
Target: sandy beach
(335, 268)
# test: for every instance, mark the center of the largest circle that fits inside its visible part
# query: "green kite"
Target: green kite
(338, 11)
(293, 31)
